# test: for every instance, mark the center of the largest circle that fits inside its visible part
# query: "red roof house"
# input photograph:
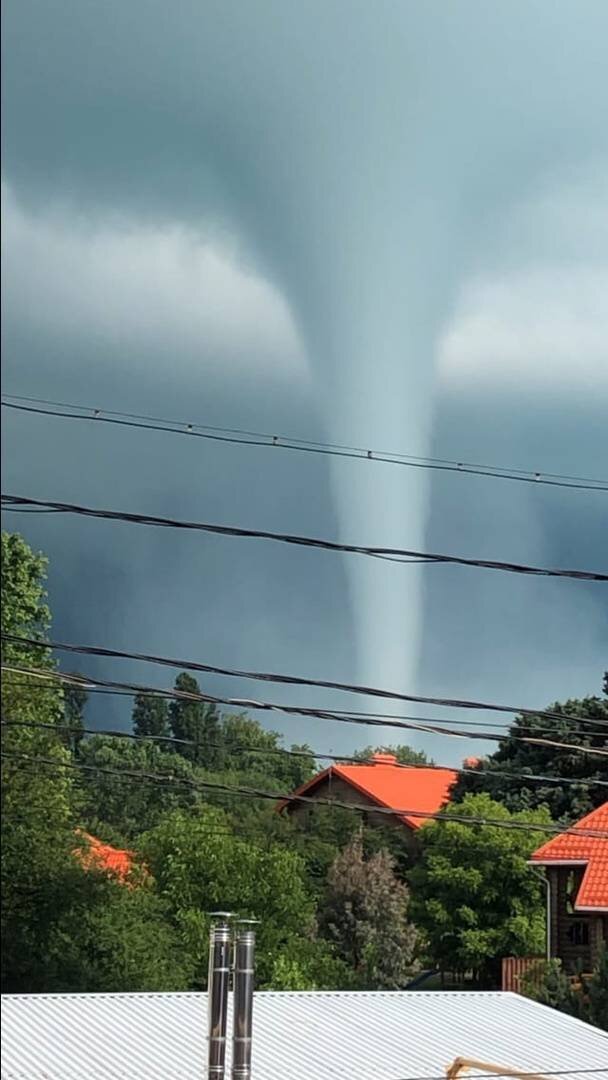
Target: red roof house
(384, 784)
(94, 855)
(576, 865)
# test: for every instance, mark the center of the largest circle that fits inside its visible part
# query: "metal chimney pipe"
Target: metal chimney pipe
(217, 993)
(244, 961)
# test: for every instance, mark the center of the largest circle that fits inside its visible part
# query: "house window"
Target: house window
(578, 932)
(572, 885)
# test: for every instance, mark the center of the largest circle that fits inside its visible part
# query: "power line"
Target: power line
(102, 687)
(402, 555)
(319, 714)
(287, 797)
(244, 748)
(238, 436)
(290, 680)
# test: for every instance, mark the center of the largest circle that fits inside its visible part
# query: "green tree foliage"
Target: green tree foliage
(317, 834)
(265, 758)
(586, 998)
(36, 859)
(364, 913)
(548, 983)
(405, 755)
(310, 964)
(473, 895)
(150, 716)
(200, 865)
(195, 722)
(25, 612)
(74, 703)
(598, 994)
(99, 935)
(125, 803)
(37, 814)
(113, 937)
(567, 803)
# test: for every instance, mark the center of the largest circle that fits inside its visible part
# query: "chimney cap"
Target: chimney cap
(384, 759)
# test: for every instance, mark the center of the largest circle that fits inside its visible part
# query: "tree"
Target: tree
(473, 893)
(113, 938)
(548, 983)
(598, 993)
(567, 803)
(127, 804)
(310, 964)
(200, 865)
(64, 927)
(150, 716)
(405, 755)
(25, 612)
(196, 722)
(74, 702)
(250, 748)
(588, 1000)
(37, 792)
(364, 913)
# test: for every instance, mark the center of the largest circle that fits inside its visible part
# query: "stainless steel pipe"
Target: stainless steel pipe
(244, 974)
(217, 993)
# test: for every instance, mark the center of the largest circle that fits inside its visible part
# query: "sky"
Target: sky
(378, 224)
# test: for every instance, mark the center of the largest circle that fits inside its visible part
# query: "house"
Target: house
(297, 1036)
(95, 855)
(383, 784)
(576, 867)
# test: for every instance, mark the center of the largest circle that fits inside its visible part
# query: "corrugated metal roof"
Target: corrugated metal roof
(297, 1036)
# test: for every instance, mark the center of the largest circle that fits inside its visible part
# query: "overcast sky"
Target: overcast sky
(382, 224)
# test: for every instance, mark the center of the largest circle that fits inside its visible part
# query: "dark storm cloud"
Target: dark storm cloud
(362, 155)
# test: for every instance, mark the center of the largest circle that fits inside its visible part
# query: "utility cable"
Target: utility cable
(341, 759)
(320, 714)
(155, 692)
(17, 502)
(292, 797)
(285, 442)
(289, 680)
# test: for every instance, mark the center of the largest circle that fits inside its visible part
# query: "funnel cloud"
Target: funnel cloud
(301, 217)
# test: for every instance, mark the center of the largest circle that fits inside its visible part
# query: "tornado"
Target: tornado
(362, 153)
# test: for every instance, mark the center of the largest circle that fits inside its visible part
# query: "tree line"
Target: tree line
(342, 904)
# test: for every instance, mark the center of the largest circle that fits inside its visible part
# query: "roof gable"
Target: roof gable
(568, 848)
(416, 790)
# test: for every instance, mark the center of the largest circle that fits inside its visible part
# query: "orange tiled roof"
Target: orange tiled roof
(391, 785)
(589, 851)
(99, 856)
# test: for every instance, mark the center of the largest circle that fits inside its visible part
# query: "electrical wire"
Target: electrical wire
(289, 680)
(293, 797)
(342, 759)
(285, 442)
(152, 692)
(319, 714)
(402, 555)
